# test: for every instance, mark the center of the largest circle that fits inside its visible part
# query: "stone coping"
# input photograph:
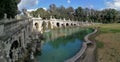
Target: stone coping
(83, 49)
(86, 38)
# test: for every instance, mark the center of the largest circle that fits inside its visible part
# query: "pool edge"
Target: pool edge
(83, 49)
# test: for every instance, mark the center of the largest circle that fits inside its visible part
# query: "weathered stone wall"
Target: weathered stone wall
(1, 29)
(15, 38)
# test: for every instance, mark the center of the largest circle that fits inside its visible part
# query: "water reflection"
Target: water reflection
(53, 34)
(61, 44)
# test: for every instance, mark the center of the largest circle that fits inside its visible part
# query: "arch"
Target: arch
(71, 24)
(74, 24)
(67, 24)
(58, 24)
(14, 45)
(63, 25)
(36, 25)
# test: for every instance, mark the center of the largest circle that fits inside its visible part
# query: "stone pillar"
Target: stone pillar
(16, 54)
(32, 57)
(5, 16)
(7, 57)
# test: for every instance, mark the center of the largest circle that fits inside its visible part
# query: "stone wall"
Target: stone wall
(15, 38)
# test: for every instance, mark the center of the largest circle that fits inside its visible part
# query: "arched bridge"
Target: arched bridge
(16, 35)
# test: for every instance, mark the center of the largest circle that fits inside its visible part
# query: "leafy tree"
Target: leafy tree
(79, 14)
(53, 7)
(40, 11)
(9, 7)
(70, 12)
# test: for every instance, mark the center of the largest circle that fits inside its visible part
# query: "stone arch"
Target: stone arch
(62, 25)
(74, 24)
(71, 24)
(58, 24)
(36, 25)
(14, 45)
(67, 24)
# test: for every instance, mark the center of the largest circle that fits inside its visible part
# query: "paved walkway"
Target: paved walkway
(90, 51)
(90, 54)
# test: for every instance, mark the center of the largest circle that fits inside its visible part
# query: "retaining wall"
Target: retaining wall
(83, 49)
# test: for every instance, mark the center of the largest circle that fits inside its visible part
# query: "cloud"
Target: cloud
(27, 4)
(29, 10)
(69, 1)
(115, 4)
(45, 9)
(101, 9)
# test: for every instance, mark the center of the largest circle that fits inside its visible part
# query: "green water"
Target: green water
(58, 48)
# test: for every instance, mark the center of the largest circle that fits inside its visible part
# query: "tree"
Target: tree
(110, 15)
(80, 14)
(9, 7)
(70, 12)
(2, 9)
(40, 11)
(52, 7)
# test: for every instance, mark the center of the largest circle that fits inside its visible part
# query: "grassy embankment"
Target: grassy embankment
(108, 43)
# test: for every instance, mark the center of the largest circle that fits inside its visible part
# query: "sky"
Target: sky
(94, 4)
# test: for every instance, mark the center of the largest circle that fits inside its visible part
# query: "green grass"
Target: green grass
(99, 44)
(109, 28)
(107, 41)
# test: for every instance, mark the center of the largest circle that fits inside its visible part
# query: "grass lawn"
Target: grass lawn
(108, 43)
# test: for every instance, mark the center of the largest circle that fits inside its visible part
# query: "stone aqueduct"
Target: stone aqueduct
(15, 35)
(55, 23)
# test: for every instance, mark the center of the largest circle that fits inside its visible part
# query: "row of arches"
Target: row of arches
(52, 24)
(65, 24)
